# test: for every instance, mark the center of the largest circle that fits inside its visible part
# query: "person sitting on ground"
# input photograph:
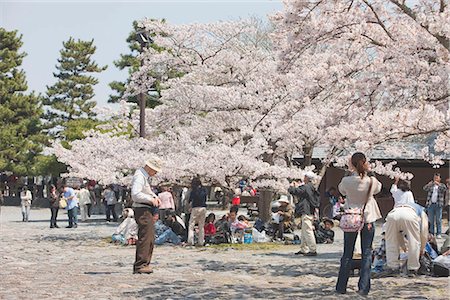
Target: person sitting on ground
(163, 233)
(284, 214)
(210, 229)
(324, 234)
(338, 208)
(236, 227)
(126, 232)
(379, 254)
(401, 192)
(176, 224)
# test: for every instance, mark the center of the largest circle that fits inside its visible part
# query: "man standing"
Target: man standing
(72, 206)
(435, 202)
(145, 201)
(406, 219)
(308, 203)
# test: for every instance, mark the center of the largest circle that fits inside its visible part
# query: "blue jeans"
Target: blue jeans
(168, 236)
(434, 212)
(73, 216)
(347, 258)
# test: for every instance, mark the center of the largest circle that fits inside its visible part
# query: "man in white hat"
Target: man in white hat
(145, 202)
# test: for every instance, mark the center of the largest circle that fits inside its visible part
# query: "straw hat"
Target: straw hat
(154, 165)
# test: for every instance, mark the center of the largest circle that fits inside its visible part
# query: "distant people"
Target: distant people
(401, 192)
(324, 234)
(435, 202)
(126, 232)
(197, 198)
(359, 189)
(72, 206)
(54, 206)
(410, 220)
(111, 201)
(145, 203)
(308, 202)
(84, 197)
(167, 202)
(25, 201)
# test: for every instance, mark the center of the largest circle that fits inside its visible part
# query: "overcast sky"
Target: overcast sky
(46, 24)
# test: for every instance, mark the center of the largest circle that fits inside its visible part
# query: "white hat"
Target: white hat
(310, 175)
(284, 198)
(154, 165)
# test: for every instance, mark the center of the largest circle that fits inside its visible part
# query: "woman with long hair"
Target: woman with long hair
(54, 206)
(359, 189)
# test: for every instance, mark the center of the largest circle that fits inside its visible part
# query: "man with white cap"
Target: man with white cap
(145, 201)
(408, 220)
(309, 201)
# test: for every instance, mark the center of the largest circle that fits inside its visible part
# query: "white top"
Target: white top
(401, 197)
(434, 196)
(141, 192)
(128, 228)
(84, 197)
(26, 197)
(356, 190)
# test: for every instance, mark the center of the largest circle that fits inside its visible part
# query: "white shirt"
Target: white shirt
(434, 196)
(401, 197)
(141, 192)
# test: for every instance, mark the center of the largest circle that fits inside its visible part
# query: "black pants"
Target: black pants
(111, 209)
(89, 206)
(54, 211)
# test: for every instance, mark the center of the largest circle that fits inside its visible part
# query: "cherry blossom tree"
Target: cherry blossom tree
(336, 75)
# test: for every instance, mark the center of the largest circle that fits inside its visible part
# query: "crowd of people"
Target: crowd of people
(155, 218)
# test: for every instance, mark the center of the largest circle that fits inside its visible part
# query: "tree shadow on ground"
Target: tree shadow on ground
(203, 290)
(306, 267)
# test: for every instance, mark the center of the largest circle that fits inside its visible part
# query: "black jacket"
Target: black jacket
(198, 197)
(309, 199)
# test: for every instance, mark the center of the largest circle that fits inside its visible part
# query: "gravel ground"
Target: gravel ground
(42, 263)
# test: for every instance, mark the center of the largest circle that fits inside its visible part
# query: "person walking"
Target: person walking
(410, 220)
(85, 201)
(25, 201)
(435, 202)
(359, 189)
(54, 206)
(72, 206)
(110, 203)
(145, 201)
(309, 201)
(197, 198)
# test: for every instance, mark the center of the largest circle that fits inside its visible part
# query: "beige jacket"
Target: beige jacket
(356, 190)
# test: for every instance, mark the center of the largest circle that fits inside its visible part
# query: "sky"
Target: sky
(46, 24)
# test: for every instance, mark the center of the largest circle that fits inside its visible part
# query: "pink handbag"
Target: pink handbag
(352, 220)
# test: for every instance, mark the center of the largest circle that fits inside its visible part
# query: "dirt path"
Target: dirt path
(42, 263)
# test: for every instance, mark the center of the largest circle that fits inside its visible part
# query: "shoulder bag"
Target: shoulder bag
(352, 220)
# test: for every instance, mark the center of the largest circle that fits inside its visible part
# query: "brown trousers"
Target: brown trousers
(146, 237)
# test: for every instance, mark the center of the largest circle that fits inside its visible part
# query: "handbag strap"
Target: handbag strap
(368, 196)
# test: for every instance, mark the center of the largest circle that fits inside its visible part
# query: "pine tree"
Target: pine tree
(21, 139)
(70, 98)
(131, 62)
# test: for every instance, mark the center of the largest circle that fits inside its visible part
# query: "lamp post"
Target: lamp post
(144, 40)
